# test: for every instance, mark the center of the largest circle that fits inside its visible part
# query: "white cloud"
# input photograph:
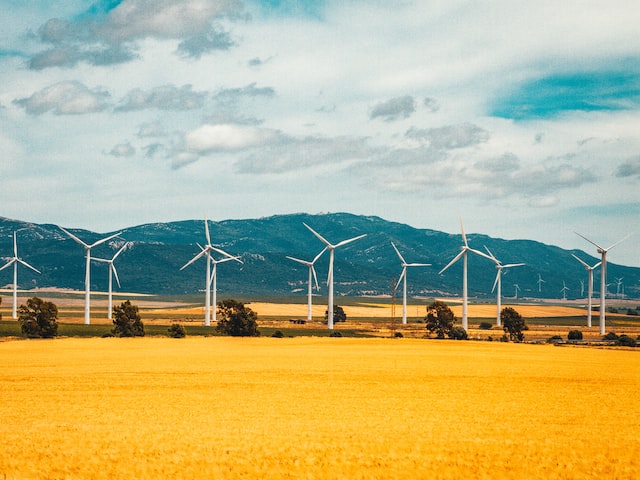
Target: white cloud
(399, 107)
(219, 138)
(65, 98)
(166, 97)
(123, 150)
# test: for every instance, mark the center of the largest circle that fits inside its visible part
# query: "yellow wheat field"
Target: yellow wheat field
(211, 407)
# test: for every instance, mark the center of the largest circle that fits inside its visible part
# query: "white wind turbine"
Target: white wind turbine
(87, 277)
(206, 251)
(517, 289)
(564, 290)
(589, 286)
(214, 281)
(403, 276)
(312, 276)
(464, 249)
(498, 281)
(603, 277)
(15, 260)
(540, 282)
(331, 249)
(112, 273)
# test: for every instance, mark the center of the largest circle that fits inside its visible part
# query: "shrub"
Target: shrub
(398, 335)
(458, 333)
(126, 321)
(277, 334)
(575, 335)
(237, 320)
(177, 331)
(626, 341)
(504, 338)
(611, 337)
(555, 339)
(485, 325)
(335, 334)
(338, 314)
(38, 318)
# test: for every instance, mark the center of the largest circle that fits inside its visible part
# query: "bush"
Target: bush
(38, 318)
(575, 335)
(338, 314)
(398, 335)
(626, 341)
(126, 321)
(237, 320)
(177, 331)
(277, 334)
(335, 334)
(610, 337)
(504, 338)
(555, 339)
(485, 325)
(458, 333)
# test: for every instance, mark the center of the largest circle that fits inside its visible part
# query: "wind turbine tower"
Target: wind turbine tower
(214, 282)
(87, 277)
(15, 260)
(589, 286)
(498, 281)
(603, 278)
(112, 273)
(403, 276)
(464, 249)
(331, 247)
(312, 276)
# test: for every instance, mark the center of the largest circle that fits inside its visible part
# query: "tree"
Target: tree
(236, 320)
(440, 319)
(338, 314)
(513, 324)
(574, 335)
(126, 321)
(38, 318)
(177, 331)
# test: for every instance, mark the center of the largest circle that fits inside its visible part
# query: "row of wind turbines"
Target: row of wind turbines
(208, 249)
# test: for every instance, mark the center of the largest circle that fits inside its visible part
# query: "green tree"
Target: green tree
(236, 320)
(177, 331)
(126, 321)
(513, 324)
(338, 314)
(440, 319)
(38, 318)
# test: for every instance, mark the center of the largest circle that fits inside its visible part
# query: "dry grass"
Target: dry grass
(316, 408)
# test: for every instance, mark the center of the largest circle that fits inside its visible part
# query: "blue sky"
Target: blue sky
(522, 117)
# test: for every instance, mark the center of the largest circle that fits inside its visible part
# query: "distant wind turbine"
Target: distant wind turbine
(312, 276)
(540, 282)
(403, 277)
(618, 285)
(331, 249)
(564, 290)
(214, 281)
(589, 286)
(87, 278)
(581, 288)
(15, 260)
(464, 249)
(206, 252)
(498, 281)
(517, 289)
(603, 277)
(112, 273)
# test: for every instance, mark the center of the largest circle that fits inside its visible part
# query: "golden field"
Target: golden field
(310, 407)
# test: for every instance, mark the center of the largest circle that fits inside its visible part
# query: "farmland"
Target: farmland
(217, 407)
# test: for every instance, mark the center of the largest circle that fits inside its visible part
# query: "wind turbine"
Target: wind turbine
(589, 286)
(603, 277)
(464, 249)
(15, 260)
(206, 251)
(331, 249)
(618, 285)
(112, 273)
(581, 288)
(312, 273)
(540, 282)
(564, 290)
(403, 276)
(498, 281)
(517, 288)
(214, 280)
(87, 278)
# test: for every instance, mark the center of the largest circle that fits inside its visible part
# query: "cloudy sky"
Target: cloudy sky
(523, 117)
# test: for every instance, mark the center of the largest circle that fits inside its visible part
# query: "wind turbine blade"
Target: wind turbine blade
(455, 259)
(9, 263)
(495, 282)
(304, 262)
(227, 259)
(418, 265)
(194, 259)
(592, 243)
(402, 275)
(219, 250)
(482, 254)
(398, 252)
(74, 237)
(619, 241)
(101, 260)
(27, 265)
(315, 277)
(105, 239)
(344, 242)
(115, 273)
(206, 231)
(15, 245)
(493, 257)
(464, 237)
(596, 265)
(330, 274)
(509, 265)
(119, 252)
(322, 239)
(319, 255)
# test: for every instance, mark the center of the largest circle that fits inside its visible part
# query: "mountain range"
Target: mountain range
(155, 253)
